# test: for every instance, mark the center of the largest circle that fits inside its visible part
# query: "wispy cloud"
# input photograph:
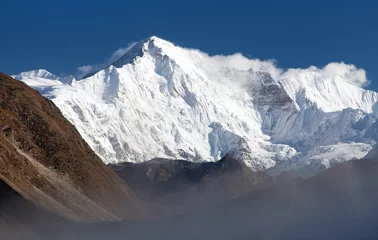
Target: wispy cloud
(347, 72)
(86, 69)
(83, 70)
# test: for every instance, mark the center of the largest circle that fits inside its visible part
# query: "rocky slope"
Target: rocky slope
(44, 159)
(163, 101)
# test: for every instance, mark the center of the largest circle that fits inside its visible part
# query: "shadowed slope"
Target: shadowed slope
(177, 186)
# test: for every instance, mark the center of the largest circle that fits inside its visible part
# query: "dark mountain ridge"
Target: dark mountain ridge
(177, 186)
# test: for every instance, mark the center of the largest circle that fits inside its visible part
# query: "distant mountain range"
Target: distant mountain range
(175, 186)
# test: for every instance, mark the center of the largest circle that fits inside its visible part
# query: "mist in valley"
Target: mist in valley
(339, 203)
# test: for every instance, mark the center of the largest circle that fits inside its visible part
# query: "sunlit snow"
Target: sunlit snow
(161, 100)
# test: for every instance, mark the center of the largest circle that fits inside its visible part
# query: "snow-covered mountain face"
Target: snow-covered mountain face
(161, 100)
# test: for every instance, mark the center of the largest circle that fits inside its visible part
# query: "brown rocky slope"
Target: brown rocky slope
(45, 160)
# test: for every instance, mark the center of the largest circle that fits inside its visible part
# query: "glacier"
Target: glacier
(160, 100)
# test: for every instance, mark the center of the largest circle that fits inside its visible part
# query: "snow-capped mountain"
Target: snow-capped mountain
(161, 100)
(41, 79)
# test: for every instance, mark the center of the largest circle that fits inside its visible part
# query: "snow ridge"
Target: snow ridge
(161, 100)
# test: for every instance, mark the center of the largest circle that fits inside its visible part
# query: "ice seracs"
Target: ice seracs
(161, 100)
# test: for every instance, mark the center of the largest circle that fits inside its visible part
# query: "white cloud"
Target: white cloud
(86, 69)
(238, 61)
(119, 53)
(348, 72)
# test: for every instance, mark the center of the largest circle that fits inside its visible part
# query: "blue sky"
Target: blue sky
(63, 35)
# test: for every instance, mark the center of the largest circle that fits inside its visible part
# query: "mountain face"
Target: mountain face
(44, 159)
(163, 101)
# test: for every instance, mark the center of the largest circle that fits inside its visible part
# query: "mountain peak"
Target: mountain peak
(137, 50)
(159, 42)
(42, 79)
(37, 73)
(156, 40)
(149, 44)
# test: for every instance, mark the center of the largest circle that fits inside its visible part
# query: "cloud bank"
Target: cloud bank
(240, 62)
(347, 72)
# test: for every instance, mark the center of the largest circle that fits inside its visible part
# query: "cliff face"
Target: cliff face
(46, 161)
